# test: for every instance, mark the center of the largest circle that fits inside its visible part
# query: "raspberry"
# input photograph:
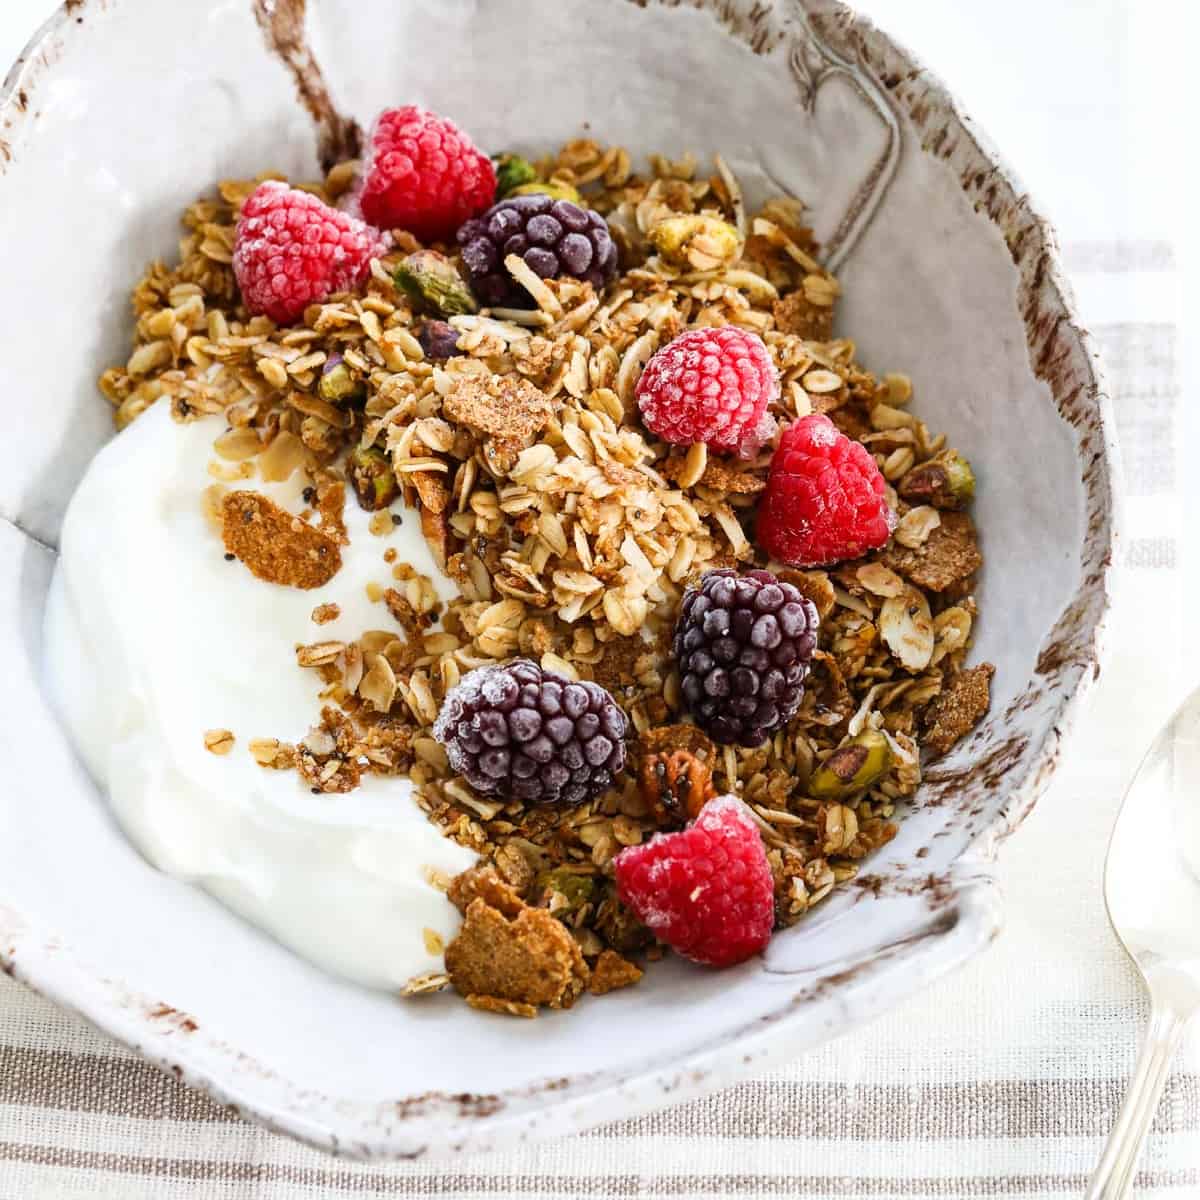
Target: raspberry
(825, 500)
(554, 237)
(521, 733)
(707, 891)
(291, 250)
(423, 174)
(713, 386)
(743, 644)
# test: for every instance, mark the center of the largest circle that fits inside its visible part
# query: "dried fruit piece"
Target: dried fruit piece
(676, 786)
(695, 240)
(433, 281)
(372, 478)
(439, 341)
(856, 765)
(945, 481)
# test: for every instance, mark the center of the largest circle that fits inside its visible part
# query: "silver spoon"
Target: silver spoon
(1152, 889)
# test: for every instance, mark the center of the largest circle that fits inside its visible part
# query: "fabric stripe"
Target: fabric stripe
(616, 1184)
(1015, 1108)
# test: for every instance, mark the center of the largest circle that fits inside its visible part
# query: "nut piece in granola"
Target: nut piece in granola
(853, 767)
(945, 481)
(276, 546)
(507, 411)
(958, 708)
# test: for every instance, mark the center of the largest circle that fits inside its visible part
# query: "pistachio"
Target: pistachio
(695, 240)
(559, 191)
(439, 341)
(512, 171)
(433, 281)
(564, 891)
(853, 767)
(373, 479)
(945, 481)
(336, 383)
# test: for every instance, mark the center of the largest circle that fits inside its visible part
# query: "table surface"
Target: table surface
(1001, 1080)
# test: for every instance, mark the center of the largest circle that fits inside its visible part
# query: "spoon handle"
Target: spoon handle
(1113, 1179)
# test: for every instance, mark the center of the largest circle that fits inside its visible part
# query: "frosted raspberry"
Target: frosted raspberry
(422, 173)
(291, 250)
(713, 386)
(707, 891)
(825, 501)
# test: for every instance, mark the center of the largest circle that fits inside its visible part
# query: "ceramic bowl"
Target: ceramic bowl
(122, 110)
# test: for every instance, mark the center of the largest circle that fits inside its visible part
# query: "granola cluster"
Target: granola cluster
(571, 534)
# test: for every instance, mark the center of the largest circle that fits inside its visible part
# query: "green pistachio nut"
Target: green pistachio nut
(575, 890)
(559, 191)
(512, 171)
(336, 383)
(433, 281)
(945, 481)
(373, 479)
(695, 240)
(852, 768)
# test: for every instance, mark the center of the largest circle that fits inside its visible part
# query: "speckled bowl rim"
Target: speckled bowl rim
(474, 1123)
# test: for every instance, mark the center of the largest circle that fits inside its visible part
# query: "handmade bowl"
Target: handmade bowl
(121, 111)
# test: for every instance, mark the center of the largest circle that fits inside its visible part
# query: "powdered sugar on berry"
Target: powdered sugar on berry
(708, 891)
(292, 250)
(713, 386)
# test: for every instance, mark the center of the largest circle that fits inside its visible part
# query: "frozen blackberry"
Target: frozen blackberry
(554, 237)
(743, 644)
(521, 733)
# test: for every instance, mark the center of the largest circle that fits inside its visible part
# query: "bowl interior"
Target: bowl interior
(139, 128)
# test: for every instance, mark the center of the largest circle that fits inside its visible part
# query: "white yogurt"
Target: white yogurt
(152, 638)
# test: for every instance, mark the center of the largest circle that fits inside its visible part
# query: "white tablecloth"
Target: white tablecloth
(1000, 1081)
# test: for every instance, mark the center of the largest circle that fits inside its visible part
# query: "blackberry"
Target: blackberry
(554, 237)
(743, 644)
(521, 733)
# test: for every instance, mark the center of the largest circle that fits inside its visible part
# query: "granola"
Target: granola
(571, 533)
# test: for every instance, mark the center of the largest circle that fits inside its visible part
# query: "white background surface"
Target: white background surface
(1093, 103)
